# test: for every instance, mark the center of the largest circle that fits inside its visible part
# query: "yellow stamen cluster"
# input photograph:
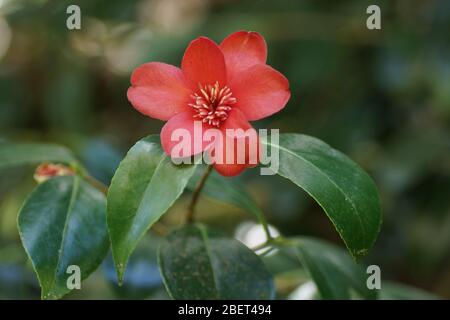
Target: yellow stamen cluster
(212, 103)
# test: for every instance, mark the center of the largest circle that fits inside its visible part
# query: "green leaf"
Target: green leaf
(144, 186)
(15, 155)
(345, 192)
(228, 190)
(332, 269)
(199, 264)
(63, 223)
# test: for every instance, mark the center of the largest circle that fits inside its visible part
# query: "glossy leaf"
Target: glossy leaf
(227, 190)
(144, 186)
(345, 192)
(15, 155)
(197, 263)
(335, 273)
(63, 223)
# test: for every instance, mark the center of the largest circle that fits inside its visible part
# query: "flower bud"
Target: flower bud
(47, 171)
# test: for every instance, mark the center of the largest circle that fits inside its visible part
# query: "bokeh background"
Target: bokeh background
(382, 97)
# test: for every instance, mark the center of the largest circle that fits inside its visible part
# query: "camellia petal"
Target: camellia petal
(260, 91)
(242, 50)
(218, 88)
(239, 147)
(159, 90)
(182, 137)
(204, 63)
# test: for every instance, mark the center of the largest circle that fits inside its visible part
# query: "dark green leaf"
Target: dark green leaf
(345, 192)
(199, 264)
(15, 155)
(63, 223)
(144, 186)
(332, 269)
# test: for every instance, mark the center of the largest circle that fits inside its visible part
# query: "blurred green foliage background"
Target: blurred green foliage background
(382, 97)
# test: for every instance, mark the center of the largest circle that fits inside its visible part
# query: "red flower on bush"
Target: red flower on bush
(220, 86)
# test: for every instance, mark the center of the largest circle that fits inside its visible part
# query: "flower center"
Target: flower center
(212, 103)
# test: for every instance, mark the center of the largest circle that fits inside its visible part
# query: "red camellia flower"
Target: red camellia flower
(219, 86)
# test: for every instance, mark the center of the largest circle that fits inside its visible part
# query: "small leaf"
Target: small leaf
(15, 155)
(144, 186)
(63, 223)
(228, 190)
(345, 192)
(199, 264)
(332, 269)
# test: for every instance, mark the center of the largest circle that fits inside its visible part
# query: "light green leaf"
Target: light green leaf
(63, 223)
(21, 154)
(345, 192)
(332, 269)
(197, 263)
(144, 186)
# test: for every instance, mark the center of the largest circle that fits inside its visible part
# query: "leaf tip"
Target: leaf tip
(120, 267)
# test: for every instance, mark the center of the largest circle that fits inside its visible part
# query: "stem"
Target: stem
(195, 196)
(266, 228)
(97, 184)
(270, 242)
